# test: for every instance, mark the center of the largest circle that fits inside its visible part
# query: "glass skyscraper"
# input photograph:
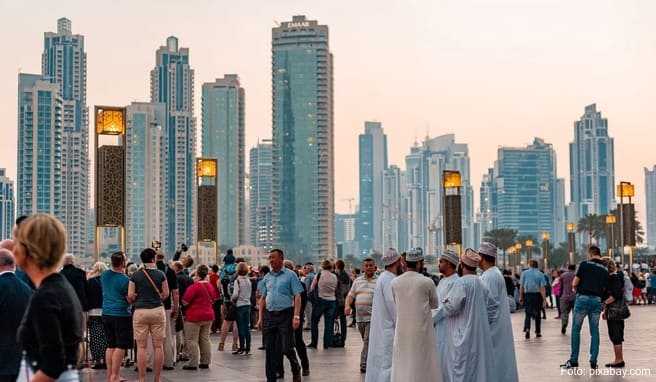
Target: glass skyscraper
(592, 165)
(7, 215)
(223, 138)
(172, 83)
(650, 199)
(260, 197)
(145, 177)
(39, 175)
(64, 62)
(372, 164)
(303, 173)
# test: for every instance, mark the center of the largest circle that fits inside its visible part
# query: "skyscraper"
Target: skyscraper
(39, 176)
(392, 209)
(560, 215)
(260, 197)
(650, 199)
(592, 165)
(303, 171)
(145, 177)
(172, 83)
(487, 217)
(372, 164)
(7, 216)
(526, 188)
(223, 139)
(64, 62)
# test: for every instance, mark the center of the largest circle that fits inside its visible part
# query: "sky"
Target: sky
(494, 72)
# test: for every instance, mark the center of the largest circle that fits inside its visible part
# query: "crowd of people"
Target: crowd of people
(158, 315)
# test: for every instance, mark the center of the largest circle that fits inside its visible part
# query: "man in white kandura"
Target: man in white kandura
(448, 264)
(383, 321)
(465, 310)
(415, 351)
(501, 329)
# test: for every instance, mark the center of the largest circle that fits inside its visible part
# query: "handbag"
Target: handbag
(617, 311)
(161, 296)
(314, 293)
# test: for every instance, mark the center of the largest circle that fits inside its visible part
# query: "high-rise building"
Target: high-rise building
(39, 176)
(145, 177)
(172, 83)
(425, 213)
(526, 189)
(64, 63)
(303, 151)
(392, 209)
(260, 197)
(345, 236)
(560, 214)
(488, 203)
(650, 199)
(372, 164)
(223, 139)
(592, 165)
(7, 215)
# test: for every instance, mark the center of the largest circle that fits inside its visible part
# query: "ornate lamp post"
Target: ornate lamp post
(518, 251)
(451, 183)
(610, 223)
(571, 241)
(529, 250)
(206, 183)
(627, 218)
(545, 250)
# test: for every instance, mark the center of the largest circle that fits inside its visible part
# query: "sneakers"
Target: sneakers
(538, 335)
(569, 364)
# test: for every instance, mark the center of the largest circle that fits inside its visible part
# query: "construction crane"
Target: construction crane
(350, 202)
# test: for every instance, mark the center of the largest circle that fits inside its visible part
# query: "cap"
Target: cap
(390, 257)
(415, 254)
(450, 256)
(470, 258)
(488, 249)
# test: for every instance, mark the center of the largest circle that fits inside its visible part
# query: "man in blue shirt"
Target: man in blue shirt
(532, 295)
(280, 315)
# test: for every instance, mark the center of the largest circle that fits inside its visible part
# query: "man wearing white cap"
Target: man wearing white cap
(501, 328)
(383, 321)
(448, 263)
(415, 351)
(465, 311)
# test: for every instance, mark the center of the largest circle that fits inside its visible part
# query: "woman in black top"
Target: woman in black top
(96, 332)
(51, 329)
(615, 296)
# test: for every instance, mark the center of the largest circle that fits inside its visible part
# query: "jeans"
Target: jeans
(197, 339)
(278, 340)
(326, 309)
(566, 306)
(586, 306)
(532, 309)
(243, 326)
(342, 321)
(299, 344)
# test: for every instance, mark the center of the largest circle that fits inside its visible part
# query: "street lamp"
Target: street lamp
(518, 250)
(451, 183)
(610, 223)
(627, 217)
(571, 241)
(207, 212)
(529, 249)
(545, 253)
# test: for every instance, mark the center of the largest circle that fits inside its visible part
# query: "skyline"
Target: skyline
(621, 81)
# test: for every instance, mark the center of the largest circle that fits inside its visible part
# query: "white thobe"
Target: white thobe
(501, 328)
(381, 331)
(466, 314)
(441, 333)
(415, 351)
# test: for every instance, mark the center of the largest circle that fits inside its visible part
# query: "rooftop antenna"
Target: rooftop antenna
(276, 22)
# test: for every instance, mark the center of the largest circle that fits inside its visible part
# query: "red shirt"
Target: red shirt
(214, 280)
(199, 298)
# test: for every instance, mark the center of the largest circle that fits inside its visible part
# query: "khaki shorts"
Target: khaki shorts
(149, 321)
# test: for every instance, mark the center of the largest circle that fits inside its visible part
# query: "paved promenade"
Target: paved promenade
(538, 359)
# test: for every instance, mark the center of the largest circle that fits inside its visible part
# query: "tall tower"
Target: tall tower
(172, 83)
(7, 215)
(261, 225)
(373, 162)
(592, 165)
(650, 198)
(223, 139)
(64, 63)
(303, 152)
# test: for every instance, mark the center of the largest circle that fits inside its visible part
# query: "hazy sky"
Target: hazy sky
(494, 72)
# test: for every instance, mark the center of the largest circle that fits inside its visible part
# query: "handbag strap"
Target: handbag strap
(145, 271)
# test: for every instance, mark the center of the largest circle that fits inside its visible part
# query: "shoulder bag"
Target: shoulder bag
(161, 295)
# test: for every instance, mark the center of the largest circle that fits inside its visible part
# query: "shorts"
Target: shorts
(118, 332)
(149, 322)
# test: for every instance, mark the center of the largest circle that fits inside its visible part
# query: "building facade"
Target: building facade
(560, 214)
(650, 202)
(39, 159)
(393, 207)
(223, 139)
(303, 151)
(372, 164)
(7, 215)
(172, 83)
(592, 165)
(145, 177)
(64, 63)
(260, 196)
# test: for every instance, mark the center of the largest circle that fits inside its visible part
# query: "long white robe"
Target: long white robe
(381, 331)
(501, 329)
(415, 351)
(441, 332)
(465, 310)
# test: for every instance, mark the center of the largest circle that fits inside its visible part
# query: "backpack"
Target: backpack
(228, 277)
(628, 288)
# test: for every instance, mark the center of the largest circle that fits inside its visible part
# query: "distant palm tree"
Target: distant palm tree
(593, 225)
(503, 238)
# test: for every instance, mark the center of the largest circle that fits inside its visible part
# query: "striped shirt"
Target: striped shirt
(362, 292)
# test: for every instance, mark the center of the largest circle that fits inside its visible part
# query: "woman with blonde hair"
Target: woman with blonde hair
(51, 330)
(241, 297)
(97, 339)
(322, 291)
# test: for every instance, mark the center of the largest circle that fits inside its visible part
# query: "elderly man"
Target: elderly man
(13, 303)
(532, 294)
(362, 296)
(448, 264)
(415, 350)
(501, 328)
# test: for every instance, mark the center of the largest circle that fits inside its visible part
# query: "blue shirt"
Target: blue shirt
(532, 280)
(115, 291)
(279, 289)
